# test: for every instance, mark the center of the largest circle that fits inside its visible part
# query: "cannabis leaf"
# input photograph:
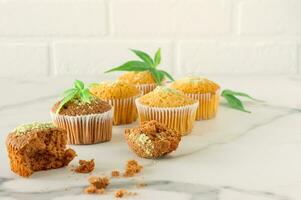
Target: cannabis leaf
(146, 64)
(234, 102)
(78, 91)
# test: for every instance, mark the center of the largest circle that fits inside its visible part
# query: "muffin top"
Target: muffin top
(151, 135)
(137, 78)
(76, 107)
(114, 90)
(31, 127)
(196, 85)
(166, 97)
(29, 134)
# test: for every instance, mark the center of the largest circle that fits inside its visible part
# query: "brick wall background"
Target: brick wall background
(85, 37)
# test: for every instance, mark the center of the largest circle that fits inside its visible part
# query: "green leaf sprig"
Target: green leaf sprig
(234, 102)
(146, 64)
(78, 91)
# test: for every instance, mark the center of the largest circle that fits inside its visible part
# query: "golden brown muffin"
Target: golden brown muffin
(170, 107)
(152, 139)
(85, 122)
(37, 146)
(194, 84)
(202, 90)
(144, 80)
(122, 97)
(166, 97)
(144, 77)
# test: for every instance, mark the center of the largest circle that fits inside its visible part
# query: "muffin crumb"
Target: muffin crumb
(141, 185)
(115, 174)
(85, 166)
(97, 185)
(122, 192)
(99, 182)
(132, 168)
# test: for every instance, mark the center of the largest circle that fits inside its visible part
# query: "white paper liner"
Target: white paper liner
(208, 104)
(86, 129)
(146, 88)
(125, 111)
(180, 118)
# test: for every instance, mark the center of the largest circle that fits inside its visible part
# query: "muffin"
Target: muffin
(122, 97)
(144, 80)
(152, 139)
(170, 107)
(202, 90)
(85, 122)
(37, 146)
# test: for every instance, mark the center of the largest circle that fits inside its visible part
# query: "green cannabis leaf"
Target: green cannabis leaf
(78, 91)
(234, 102)
(146, 64)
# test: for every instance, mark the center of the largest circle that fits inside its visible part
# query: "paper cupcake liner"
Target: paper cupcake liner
(125, 111)
(146, 88)
(208, 104)
(180, 118)
(86, 129)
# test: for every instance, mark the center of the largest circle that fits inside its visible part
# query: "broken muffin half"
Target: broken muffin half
(152, 139)
(37, 146)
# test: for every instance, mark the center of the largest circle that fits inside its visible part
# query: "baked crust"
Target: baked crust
(152, 139)
(38, 149)
(76, 107)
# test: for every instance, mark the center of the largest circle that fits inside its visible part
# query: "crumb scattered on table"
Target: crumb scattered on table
(85, 166)
(97, 185)
(132, 168)
(140, 185)
(122, 192)
(115, 174)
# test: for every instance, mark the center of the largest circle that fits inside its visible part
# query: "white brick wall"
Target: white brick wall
(75, 37)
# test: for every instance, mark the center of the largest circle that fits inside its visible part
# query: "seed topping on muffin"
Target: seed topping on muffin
(34, 126)
(114, 90)
(164, 96)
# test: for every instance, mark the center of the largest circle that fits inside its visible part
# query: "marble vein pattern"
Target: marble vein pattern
(236, 156)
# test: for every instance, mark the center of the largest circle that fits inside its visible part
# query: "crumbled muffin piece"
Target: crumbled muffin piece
(85, 166)
(93, 190)
(97, 185)
(120, 193)
(132, 168)
(115, 174)
(166, 97)
(99, 182)
(38, 146)
(152, 139)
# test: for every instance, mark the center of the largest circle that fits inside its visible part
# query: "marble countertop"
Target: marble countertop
(236, 156)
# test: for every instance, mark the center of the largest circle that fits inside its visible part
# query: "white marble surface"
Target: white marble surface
(236, 156)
